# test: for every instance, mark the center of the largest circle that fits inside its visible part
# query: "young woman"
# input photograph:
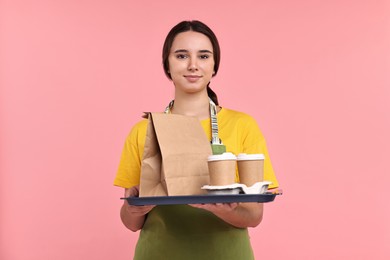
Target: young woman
(191, 56)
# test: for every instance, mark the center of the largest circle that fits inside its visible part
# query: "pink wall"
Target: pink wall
(75, 76)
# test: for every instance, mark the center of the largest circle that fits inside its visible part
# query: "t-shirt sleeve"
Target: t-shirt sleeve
(128, 174)
(254, 142)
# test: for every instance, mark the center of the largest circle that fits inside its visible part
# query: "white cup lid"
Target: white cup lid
(221, 157)
(249, 157)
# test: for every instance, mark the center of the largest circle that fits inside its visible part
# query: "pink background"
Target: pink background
(76, 75)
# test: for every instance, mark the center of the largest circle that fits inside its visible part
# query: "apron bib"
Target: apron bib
(183, 232)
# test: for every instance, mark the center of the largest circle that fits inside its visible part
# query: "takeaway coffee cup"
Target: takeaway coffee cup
(250, 168)
(222, 169)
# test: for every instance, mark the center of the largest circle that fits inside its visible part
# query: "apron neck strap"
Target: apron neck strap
(214, 124)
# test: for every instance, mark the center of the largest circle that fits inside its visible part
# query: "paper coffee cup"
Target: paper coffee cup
(250, 168)
(222, 169)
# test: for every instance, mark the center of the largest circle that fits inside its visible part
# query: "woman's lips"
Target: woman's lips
(192, 78)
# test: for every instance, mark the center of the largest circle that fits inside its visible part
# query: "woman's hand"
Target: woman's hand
(241, 215)
(133, 217)
(136, 211)
(217, 208)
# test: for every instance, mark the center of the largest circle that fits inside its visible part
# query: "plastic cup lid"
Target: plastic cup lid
(248, 157)
(221, 157)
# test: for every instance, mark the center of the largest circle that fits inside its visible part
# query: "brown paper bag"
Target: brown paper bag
(175, 156)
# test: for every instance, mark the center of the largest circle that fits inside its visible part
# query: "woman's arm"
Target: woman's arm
(133, 217)
(240, 215)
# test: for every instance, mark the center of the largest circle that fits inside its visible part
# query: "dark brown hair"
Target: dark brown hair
(199, 27)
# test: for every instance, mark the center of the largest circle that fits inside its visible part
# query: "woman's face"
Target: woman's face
(191, 62)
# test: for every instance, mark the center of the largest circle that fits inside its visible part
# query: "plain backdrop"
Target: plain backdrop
(76, 75)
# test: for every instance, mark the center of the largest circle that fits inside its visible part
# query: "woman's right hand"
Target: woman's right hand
(133, 217)
(136, 210)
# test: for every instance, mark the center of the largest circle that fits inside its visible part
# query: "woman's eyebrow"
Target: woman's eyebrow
(200, 51)
(206, 51)
(181, 50)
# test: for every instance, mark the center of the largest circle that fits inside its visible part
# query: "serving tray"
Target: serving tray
(202, 199)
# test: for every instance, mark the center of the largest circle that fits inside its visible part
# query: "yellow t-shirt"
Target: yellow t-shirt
(238, 131)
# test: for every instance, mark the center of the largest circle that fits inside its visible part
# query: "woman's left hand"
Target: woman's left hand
(217, 208)
(241, 215)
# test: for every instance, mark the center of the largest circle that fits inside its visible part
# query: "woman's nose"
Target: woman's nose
(193, 65)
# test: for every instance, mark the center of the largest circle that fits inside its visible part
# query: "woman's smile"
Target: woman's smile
(192, 78)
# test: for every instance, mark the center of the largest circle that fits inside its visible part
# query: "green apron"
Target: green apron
(183, 232)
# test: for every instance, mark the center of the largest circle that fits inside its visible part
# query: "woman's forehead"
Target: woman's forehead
(191, 41)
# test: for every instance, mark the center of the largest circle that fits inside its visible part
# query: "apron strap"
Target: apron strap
(214, 124)
(169, 107)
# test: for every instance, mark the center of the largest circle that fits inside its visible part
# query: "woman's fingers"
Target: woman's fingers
(139, 210)
(132, 192)
(216, 207)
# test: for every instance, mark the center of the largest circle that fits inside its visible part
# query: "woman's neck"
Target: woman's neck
(196, 105)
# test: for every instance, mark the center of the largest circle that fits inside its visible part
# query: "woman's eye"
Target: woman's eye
(181, 56)
(204, 56)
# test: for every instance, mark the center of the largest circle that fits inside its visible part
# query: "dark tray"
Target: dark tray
(202, 199)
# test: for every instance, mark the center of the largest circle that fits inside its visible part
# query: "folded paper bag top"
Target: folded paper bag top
(175, 156)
